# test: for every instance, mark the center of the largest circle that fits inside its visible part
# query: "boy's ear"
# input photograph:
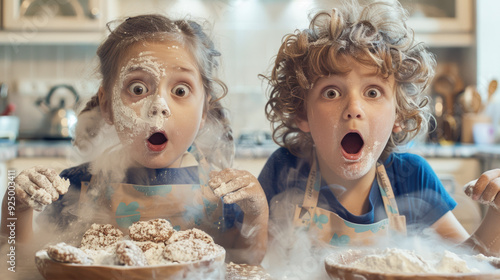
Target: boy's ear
(397, 127)
(302, 124)
(105, 106)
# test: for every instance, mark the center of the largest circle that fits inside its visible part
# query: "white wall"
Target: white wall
(488, 54)
(488, 42)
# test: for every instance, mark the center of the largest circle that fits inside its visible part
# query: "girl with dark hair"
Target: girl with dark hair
(157, 144)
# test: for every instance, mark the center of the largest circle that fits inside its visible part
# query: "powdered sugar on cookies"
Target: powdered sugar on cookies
(153, 242)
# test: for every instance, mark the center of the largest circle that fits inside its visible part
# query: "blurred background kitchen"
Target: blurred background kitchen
(48, 67)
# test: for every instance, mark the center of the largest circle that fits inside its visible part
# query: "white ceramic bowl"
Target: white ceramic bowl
(9, 129)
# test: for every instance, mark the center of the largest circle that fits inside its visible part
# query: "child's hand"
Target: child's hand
(39, 186)
(485, 189)
(240, 187)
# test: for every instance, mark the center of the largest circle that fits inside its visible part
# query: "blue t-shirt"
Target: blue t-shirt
(61, 212)
(420, 196)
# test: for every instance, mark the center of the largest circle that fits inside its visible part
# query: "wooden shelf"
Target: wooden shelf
(447, 40)
(16, 38)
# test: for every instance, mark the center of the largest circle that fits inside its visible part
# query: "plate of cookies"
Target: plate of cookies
(152, 250)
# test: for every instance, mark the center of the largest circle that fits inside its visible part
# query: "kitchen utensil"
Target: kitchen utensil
(212, 268)
(3, 90)
(4, 101)
(483, 133)
(469, 120)
(339, 266)
(8, 110)
(448, 86)
(9, 129)
(59, 120)
(471, 100)
(492, 87)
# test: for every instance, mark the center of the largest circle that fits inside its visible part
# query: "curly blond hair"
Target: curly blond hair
(374, 34)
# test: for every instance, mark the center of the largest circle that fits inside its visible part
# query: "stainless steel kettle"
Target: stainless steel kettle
(59, 120)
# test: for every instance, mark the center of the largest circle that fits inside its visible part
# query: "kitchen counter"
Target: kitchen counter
(7, 152)
(62, 148)
(454, 151)
(425, 150)
(35, 148)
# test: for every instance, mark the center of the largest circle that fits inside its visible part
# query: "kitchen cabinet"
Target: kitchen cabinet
(56, 163)
(54, 22)
(20, 164)
(430, 16)
(454, 174)
(444, 23)
(16, 38)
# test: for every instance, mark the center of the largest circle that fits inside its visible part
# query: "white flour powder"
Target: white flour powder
(402, 261)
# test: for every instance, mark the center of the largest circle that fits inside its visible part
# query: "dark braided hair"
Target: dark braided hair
(154, 28)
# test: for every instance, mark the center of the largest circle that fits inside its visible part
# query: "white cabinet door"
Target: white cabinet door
(455, 173)
(431, 16)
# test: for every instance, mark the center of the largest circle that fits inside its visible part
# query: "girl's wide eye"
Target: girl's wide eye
(181, 90)
(330, 93)
(138, 88)
(373, 93)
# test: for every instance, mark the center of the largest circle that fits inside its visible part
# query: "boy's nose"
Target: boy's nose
(353, 109)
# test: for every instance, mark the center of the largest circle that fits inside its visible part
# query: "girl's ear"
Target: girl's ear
(205, 110)
(302, 124)
(105, 106)
(203, 119)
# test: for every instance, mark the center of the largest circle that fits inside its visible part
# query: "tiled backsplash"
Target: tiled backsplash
(43, 66)
(33, 69)
(248, 34)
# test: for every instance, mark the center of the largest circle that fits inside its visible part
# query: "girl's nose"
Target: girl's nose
(353, 109)
(159, 108)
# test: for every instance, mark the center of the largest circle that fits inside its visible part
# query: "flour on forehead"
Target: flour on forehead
(147, 62)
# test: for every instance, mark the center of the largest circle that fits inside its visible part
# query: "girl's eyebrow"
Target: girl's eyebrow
(133, 68)
(188, 69)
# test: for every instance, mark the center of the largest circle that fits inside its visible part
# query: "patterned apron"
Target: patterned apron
(184, 205)
(331, 228)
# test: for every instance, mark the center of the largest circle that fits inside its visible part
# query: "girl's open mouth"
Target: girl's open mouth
(352, 144)
(157, 141)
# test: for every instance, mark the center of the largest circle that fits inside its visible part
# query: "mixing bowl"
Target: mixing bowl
(339, 265)
(9, 129)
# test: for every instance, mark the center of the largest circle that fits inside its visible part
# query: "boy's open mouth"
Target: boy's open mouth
(157, 141)
(352, 143)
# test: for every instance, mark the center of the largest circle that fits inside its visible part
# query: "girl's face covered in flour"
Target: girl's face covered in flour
(157, 103)
(350, 117)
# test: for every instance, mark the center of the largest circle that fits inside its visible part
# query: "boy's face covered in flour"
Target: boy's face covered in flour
(157, 103)
(351, 117)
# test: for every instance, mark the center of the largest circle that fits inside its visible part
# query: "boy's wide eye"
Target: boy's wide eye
(373, 93)
(181, 90)
(330, 93)
(138, 88)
